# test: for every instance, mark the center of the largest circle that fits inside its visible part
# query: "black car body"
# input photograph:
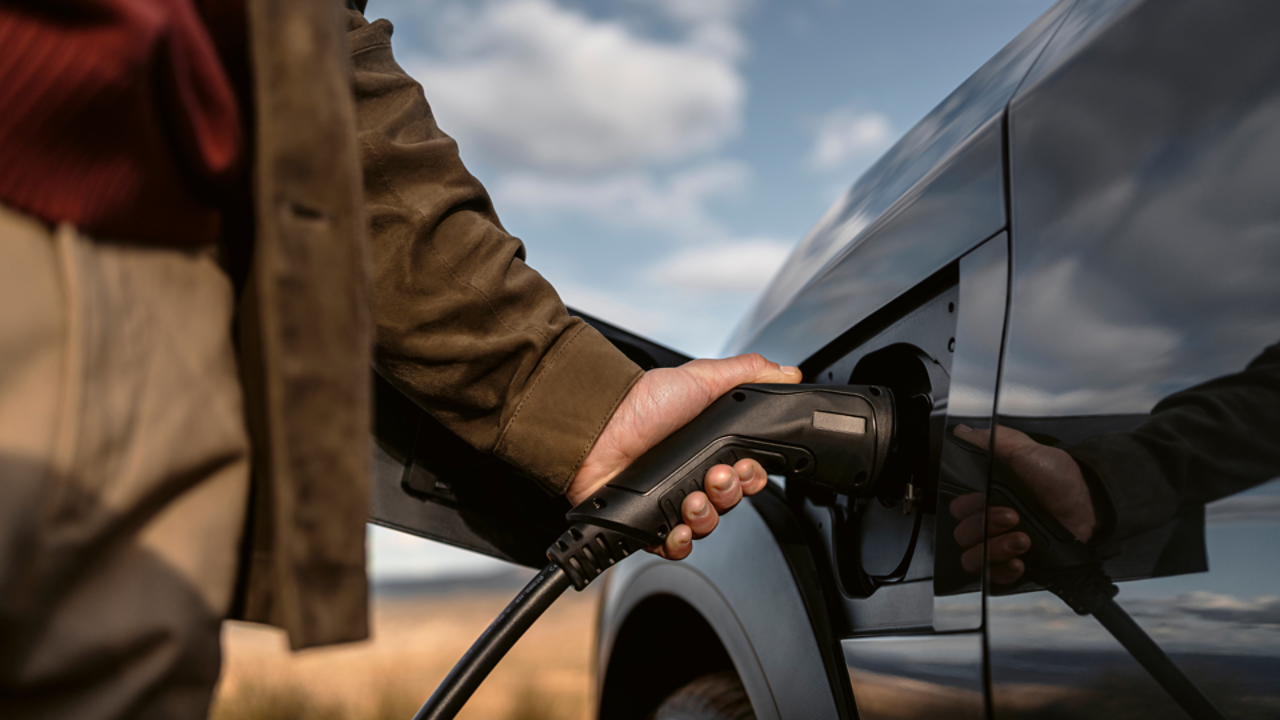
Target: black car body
(1088, 225)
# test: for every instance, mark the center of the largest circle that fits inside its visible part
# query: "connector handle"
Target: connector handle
(838, 436)
(1056, 559)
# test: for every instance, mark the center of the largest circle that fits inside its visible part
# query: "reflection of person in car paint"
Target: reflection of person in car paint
(1200, 444)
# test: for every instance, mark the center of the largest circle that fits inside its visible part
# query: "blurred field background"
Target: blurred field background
(419, 631)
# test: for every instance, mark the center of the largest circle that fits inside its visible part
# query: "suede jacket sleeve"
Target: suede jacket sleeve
(1200, 444)
(462, 325)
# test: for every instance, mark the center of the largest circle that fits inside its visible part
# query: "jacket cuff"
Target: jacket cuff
(579, 385)
(1136, 495)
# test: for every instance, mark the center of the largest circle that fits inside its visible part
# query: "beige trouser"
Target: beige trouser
(123, 475)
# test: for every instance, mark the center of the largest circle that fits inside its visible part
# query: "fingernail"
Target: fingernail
(1006, 517)
(1021, 543)
(699, 507)
(963, 429)
(789, 370)
(748, 475)
(684, 540)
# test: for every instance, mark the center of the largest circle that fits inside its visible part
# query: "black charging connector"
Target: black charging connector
(585, 551)
(837, 436)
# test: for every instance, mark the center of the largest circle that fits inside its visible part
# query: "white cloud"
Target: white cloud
(1245, 509)
(1083, 324)
(710, 23)
(1021, 399)
(844, 135)
(575, 115)
(703, 11)
(536, 86)
(675, 205)
(742, 267)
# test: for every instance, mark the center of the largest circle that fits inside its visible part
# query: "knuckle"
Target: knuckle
(752, 363)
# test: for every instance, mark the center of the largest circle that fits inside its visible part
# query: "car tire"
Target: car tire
(718, 696)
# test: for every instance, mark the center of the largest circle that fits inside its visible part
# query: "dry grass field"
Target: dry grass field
(416, 639)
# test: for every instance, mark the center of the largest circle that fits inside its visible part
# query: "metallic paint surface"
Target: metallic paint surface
(923, 676)
(954, 209)
(1146, 227)
(937, 190)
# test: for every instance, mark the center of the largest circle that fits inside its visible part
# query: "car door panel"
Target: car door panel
(1146, 235)
(922, 676)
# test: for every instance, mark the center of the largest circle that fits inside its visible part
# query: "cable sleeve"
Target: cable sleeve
(462, 681)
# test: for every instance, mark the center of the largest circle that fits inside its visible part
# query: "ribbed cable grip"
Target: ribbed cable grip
(584, 551)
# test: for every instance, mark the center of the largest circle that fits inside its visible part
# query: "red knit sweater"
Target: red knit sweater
(119, 117)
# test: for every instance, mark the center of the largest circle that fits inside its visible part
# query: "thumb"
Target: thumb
(981, 438)
(720, 376)
(1008, 441)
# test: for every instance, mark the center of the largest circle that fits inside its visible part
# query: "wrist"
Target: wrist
(1101, 511)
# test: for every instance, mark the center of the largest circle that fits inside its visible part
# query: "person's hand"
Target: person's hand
(1050, 473)
(660, 403)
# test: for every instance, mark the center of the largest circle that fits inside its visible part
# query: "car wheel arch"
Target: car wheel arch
(677, 628)
(743, 584)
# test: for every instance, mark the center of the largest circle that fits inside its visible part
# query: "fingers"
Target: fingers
(1007, 547)
(1006, 567)
(1004, 552)
(1007, 573)
(1003, 547)
(751, 476)
(981, 438)
(1009, 442)
(725, 487)
(966, 505)
(679, 543)
(677, 546)
(999, 520)
(698, 514)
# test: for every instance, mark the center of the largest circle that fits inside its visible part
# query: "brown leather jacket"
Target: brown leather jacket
(354, 181)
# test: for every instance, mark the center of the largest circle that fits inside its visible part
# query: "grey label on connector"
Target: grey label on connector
(839, 423)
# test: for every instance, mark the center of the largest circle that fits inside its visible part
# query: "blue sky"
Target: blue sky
(660, 158)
